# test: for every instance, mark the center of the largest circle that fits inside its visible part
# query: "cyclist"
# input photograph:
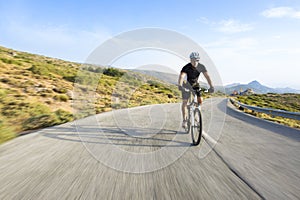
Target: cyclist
(192, 71)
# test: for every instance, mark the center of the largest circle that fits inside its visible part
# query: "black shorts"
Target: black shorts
(186, 95)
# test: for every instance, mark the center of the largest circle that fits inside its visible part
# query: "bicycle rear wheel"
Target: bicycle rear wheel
(196, 128)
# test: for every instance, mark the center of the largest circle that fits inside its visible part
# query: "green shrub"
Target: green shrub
(37, 109)
(98, 70)
(13, 108)
(7, 61)
(60, 90)
(45, 94)
(64, 116)
(91, 69)
(70, 78)
(40, 70)
(154, 84)
(46, 120)
(170, 96)
(10, 61)
(40, 121)
(61, 97)
(113, 72)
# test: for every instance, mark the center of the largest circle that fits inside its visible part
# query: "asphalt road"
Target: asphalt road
(143, 153)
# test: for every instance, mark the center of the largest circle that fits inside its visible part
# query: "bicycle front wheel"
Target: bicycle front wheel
(196, 128)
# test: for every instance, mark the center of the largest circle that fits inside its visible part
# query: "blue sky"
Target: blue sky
(246, 40)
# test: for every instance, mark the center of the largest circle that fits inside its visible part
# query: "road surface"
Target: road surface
(142, 153)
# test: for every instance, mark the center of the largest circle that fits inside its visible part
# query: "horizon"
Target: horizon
(225, 85)
(254, 40)
(166, 70)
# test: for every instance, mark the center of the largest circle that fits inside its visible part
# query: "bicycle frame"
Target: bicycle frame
(194, 109)
(192, 104)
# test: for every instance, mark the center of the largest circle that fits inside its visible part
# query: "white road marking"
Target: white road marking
(208, 138)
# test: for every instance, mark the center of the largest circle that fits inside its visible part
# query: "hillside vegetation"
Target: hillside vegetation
(286, 102)
(37, 91)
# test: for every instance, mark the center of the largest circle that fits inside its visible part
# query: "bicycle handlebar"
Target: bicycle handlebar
(189, 90)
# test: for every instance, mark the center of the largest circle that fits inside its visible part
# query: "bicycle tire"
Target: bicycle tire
(196, 129)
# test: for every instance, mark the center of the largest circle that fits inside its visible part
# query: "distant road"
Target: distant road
(142, 153)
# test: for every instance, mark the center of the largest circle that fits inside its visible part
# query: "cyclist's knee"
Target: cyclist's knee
(200, 100)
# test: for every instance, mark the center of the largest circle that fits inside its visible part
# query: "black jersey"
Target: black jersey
(193, 72)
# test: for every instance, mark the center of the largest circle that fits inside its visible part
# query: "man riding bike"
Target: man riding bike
(192, 71)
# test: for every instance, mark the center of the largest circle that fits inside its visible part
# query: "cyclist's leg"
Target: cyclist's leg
(184, 108)
(200, 100)
(199, 97)
(185, 97)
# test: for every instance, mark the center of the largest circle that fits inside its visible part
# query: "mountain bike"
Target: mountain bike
(194, 121)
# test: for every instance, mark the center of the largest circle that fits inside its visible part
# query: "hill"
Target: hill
(37, 91)
(258, 88)
(167, 77)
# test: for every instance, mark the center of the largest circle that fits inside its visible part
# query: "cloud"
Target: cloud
(280, 12)
(243, 43)
(228, 26)
(233, 26)
(204, 20)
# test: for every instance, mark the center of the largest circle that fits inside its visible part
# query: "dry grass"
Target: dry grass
(36, 91)
(287, 102)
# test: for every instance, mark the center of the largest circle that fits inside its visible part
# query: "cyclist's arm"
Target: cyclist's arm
(208, 79)
(181, 78)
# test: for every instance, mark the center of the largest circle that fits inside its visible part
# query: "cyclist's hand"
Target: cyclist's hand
(211, 90)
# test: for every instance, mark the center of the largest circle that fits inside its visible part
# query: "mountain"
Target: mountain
(232, 85)
(287, 90)
(257, 88)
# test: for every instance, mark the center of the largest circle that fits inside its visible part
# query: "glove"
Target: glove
(211, 90)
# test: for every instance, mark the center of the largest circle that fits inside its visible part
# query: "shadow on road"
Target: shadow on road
(115, 136)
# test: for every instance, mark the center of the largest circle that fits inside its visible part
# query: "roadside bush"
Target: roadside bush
(46, 120)
(40, 121)
(64, 116)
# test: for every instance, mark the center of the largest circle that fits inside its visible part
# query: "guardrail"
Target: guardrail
(269, 111)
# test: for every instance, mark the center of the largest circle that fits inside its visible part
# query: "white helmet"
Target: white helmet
(195, 55)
